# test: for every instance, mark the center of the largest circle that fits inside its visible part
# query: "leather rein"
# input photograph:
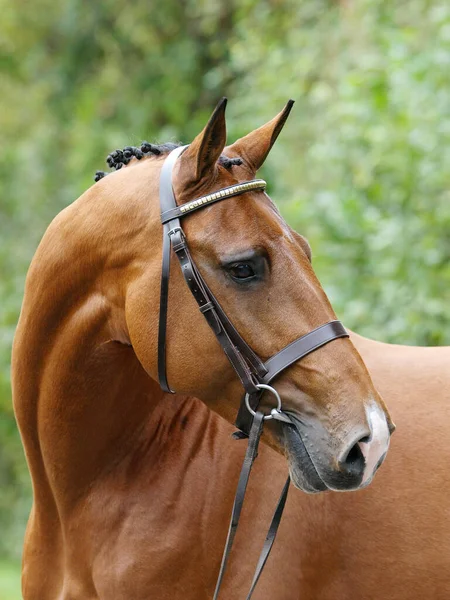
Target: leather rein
(255, 375)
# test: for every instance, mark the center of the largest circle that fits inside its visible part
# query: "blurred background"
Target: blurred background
(361, 168)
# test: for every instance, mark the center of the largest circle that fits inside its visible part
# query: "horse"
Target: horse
(131, 484)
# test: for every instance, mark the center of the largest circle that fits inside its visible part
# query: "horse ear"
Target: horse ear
(202, 154)
(254, 147)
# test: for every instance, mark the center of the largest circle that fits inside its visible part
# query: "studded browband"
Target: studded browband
(223, 194)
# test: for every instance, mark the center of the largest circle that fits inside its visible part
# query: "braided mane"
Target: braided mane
(119, 158)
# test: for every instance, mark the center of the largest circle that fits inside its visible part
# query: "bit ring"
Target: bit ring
(269, 388)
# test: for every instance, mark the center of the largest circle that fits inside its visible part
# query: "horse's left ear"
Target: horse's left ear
(254, 147)
(201, 156)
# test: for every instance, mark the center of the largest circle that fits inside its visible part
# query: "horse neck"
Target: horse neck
(83, 401)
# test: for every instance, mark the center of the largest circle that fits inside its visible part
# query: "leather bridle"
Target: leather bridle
(255, 375)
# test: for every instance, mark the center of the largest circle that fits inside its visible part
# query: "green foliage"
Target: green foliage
(361, 168)
(10, 581)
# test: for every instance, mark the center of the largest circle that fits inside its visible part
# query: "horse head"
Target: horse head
(260, 271)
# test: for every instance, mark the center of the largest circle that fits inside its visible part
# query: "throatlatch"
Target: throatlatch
(255, 375)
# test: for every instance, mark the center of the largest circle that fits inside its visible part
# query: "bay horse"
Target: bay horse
(131, 484)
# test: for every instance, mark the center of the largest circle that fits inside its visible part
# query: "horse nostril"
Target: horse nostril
(353, 462)
(354, 455)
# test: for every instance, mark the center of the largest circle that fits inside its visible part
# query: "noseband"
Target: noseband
(255, 375)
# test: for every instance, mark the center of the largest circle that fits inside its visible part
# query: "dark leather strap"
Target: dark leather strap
(207, 306)
(303, 346)
(250, 457)
(163, 309)
(166, 195)
(270, 538)
(253, 359)
(167, 199)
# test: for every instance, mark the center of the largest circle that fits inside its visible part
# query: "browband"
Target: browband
(223, 194)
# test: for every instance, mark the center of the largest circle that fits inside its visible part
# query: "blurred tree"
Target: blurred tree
(360, 169)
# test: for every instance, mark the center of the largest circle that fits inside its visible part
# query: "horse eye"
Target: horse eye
(241, 271)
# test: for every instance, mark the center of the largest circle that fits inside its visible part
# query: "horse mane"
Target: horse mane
(120, 158)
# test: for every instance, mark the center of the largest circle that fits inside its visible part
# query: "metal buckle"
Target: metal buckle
(178, 243)
(176, 230)
(275, 413)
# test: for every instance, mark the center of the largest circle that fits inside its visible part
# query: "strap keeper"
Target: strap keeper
(206, 307)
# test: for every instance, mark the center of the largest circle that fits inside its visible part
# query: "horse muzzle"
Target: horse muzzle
(318, 462)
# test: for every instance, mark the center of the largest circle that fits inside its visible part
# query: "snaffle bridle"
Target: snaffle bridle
(254, 374)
